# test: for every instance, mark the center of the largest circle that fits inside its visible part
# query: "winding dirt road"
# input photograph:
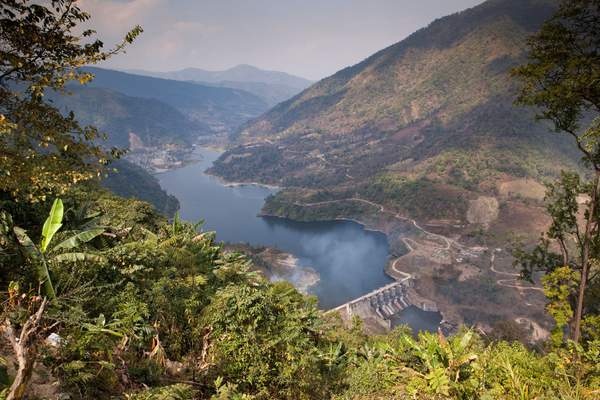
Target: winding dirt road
(511, 283)
(383, 210)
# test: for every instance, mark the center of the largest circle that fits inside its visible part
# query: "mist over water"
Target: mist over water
(344, 252)
(349, 259)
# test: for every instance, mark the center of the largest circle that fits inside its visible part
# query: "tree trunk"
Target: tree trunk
(585, 259)
(25, 350)
(26, 360)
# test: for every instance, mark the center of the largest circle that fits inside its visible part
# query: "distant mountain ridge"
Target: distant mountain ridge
(219, 108)
(239, 73)
(271, 86)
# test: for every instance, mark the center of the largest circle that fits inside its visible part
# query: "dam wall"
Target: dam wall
(380, 305)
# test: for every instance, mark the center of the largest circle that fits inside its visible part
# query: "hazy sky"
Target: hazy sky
(310, 38)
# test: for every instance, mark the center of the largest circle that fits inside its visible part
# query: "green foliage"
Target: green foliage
(163, 295)
(266, 340)
(562, 78)
(174, 392)
(52, 225)
(460, 367)
(562, 81)
(43, 151)
(41, 257)
(559, 287)
(444, 366)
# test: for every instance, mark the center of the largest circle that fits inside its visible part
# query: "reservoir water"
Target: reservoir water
(417, 319)
(349, 259)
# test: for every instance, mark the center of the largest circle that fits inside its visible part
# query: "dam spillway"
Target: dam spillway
(379, 306)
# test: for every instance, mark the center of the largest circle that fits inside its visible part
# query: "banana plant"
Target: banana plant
(444, 363)
(41, 255)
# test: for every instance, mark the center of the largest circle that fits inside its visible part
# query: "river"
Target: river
(349, 259)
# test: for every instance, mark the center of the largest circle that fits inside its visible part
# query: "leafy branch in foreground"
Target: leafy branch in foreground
(42, 151)
(562, 81)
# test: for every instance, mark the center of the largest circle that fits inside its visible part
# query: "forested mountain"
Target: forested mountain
(217, 107)
(149, 114)
(271, 86)
(428, 119)
(152, 121)
(239, 73)
(271, 93)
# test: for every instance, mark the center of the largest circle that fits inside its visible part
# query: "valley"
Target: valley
(429, 260)
(348, 259)
(181, 224)
(419, 142)
(422, 142)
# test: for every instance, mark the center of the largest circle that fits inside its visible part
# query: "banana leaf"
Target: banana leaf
(53, 224)
(79, 239)
(34, 254)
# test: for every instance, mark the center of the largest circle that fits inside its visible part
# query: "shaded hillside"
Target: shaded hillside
(154, 122)
(130, 181)
(271, 86)
(219, 108)
(435, 110)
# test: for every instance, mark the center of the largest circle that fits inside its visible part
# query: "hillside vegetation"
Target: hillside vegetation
(166, 305)
(154, 122)
(436, 107)
(131, 181)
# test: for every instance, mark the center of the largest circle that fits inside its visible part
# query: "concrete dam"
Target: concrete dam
(382, 304)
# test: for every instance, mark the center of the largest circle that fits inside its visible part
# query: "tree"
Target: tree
(562, 81)
(42, 151)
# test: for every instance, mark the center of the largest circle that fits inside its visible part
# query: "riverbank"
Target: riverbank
(451, 273)
(349, 259)
(277, 265)
(162, 159)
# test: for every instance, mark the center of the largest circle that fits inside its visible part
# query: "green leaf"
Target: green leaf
(27, 245)
(466, 339)
(150, 236)
(34, 254)
(53, 224)
(78, 239)
(176, 223)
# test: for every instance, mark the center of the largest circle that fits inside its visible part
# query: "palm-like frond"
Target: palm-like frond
(34, 254)
(78, 257)
(78, 239)
(52, 225)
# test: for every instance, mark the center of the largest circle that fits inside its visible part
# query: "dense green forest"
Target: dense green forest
(102, 297)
